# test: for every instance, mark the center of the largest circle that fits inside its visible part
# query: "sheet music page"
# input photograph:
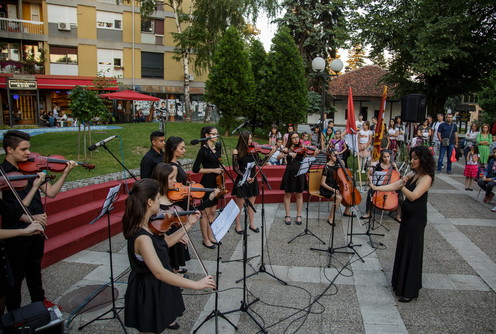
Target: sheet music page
(378, 177)
(305, 165)
(108, 201)
(224, 221)
(246, 176)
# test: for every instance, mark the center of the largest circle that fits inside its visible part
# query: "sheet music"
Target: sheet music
(224, 221)
(378, 177)
(305, 165)
(246, 176)
(111, 196)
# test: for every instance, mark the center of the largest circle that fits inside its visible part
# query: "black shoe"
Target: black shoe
(286, 221)
(174, 327)
(347, 215)
(298, 222)
(330, 222)
(239, 232)
(182, 271)
(450, 172)
(211, 247)
(256, 230)
(405, 300)
(470, 189)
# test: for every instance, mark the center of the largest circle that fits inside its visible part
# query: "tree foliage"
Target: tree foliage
(230, 84)
(439, 48)
(318, 27)
(285, 85)
(258, 60)
(356, 57)
(487, 99)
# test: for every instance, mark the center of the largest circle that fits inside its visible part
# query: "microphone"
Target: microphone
(196, 141)
(100, 143)
(239, 127)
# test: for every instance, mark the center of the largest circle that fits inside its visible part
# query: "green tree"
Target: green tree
(85, 106)
(356, 58)
(439, 48)
(258, 60)
(230, 84)
(285, 85)
(487, 100)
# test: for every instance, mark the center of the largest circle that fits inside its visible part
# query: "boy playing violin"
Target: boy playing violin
(26, 252)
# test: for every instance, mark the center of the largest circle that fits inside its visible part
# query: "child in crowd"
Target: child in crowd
(274, 134)
(305, 139)
(471, 167)
(273, 159)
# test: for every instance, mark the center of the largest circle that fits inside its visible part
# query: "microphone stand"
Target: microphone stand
(117, 159)
(244, 307)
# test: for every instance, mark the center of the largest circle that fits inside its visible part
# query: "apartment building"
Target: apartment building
(47, 47)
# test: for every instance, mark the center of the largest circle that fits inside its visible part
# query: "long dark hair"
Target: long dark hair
(170, 147)
(136, 204)
(204, 132)
(242, 146)
(161, 173)
(427, 165)
(290, 143)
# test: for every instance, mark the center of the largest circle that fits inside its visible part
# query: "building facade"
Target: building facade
(50, 46)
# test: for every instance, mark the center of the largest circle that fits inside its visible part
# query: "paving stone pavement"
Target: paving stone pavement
(350, 296)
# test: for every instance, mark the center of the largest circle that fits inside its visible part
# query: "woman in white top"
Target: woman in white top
(364, 144)
(393, 135)
(400, 139)
(360, 122)
(470, 139)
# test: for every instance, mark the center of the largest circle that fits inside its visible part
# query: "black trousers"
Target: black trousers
(487, 186)
(25, 254)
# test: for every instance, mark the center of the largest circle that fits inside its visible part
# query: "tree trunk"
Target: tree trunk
(208, 113)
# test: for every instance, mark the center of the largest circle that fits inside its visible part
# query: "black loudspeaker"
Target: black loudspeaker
(413, 108)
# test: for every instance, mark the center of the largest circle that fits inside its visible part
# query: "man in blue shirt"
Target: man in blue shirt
(448, 137)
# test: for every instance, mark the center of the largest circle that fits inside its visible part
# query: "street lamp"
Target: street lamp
(319, 66)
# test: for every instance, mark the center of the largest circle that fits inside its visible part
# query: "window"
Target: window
(62, 14)
(63, 55)
(108, 20)
(146, 25)
(152, 65)
(110, 62)
(10, 51)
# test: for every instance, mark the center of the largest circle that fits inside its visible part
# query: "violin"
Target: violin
(220, 180)
(304, 149)
(256, 148)
(180, 192)
(162, 222)
(55, 163)
(18, 180)
(351, 195)
(387, 200)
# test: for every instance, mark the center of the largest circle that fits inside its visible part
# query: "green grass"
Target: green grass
(135, 143)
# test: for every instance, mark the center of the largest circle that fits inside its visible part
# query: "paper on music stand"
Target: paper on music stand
(246, 176)
(111, 196)
(224, 221)
(378, 177)
(305, 165)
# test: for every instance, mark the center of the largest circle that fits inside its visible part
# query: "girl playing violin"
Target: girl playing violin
(328, 185)
(207, 163)
(241, 158)
(383, 164)
(153, 297)
(290, 183)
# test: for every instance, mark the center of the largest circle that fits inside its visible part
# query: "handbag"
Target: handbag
(25, 319)
(446, 141)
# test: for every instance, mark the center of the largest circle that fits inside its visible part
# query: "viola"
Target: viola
(387, 200)
(351, 195)
(162, 222)
(18, 180)
(220, 180)
(256, 148)
(180, 192)
(304, 149)
(55, 163)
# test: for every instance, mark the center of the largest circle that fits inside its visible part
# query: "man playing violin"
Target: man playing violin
(26, 252)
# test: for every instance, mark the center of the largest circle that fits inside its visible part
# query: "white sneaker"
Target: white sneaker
(493, 209)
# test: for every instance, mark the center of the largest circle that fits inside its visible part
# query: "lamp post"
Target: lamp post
(319, 66)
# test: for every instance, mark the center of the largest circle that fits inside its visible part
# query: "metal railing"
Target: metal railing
(24, 26)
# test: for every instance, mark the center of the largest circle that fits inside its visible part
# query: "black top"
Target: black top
(35, 207)
(151, 159)
(8, 211)
(206, 159)
(328, 173)
(181, 177)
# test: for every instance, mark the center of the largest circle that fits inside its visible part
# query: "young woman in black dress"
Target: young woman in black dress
(207, 163)
(241, 158)
(174, 150)
(407, 270)
(153, 297)
(290, 183)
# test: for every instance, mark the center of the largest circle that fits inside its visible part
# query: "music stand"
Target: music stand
(219, 228)
(304, 169)
(107, 207)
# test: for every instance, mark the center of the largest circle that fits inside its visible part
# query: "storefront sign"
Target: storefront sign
(23, 84)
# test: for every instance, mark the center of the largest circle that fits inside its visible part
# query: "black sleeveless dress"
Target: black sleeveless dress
(150, 305)
(206, 159)
(290, 183)
(407, 271)
(248, 189)
(329, 172)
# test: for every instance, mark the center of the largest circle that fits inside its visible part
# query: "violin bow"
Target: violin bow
(25, 209)
(191, 242)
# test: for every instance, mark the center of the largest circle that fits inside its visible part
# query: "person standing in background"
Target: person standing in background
(154, 156)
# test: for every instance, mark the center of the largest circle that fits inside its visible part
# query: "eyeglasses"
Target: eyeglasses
(213, 133)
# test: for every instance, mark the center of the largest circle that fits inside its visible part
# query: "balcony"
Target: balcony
(22, 26)
(19, 67)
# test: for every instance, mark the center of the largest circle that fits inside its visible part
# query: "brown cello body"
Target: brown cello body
(351, 195)
(387, 200)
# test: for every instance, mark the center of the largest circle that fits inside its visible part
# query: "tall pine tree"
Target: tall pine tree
(285, 85)
(230, 84)
(258, 60)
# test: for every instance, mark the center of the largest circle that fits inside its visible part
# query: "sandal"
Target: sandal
(330, 222)
(298, 222)
(286, 221)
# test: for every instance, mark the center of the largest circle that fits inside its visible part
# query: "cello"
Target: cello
(387, 200)
(351, 195)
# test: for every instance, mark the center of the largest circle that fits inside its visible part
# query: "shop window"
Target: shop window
(63, 55)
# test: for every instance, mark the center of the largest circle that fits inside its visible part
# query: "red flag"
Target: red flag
(379, 129)
(351, 130)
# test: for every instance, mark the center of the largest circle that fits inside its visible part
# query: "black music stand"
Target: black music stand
(305, 169)
(107, 207)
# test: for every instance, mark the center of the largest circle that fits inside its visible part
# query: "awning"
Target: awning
(68, 83)
(129, 95)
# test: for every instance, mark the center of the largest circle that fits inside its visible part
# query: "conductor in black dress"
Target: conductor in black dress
(407, 270)
(154, 156)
